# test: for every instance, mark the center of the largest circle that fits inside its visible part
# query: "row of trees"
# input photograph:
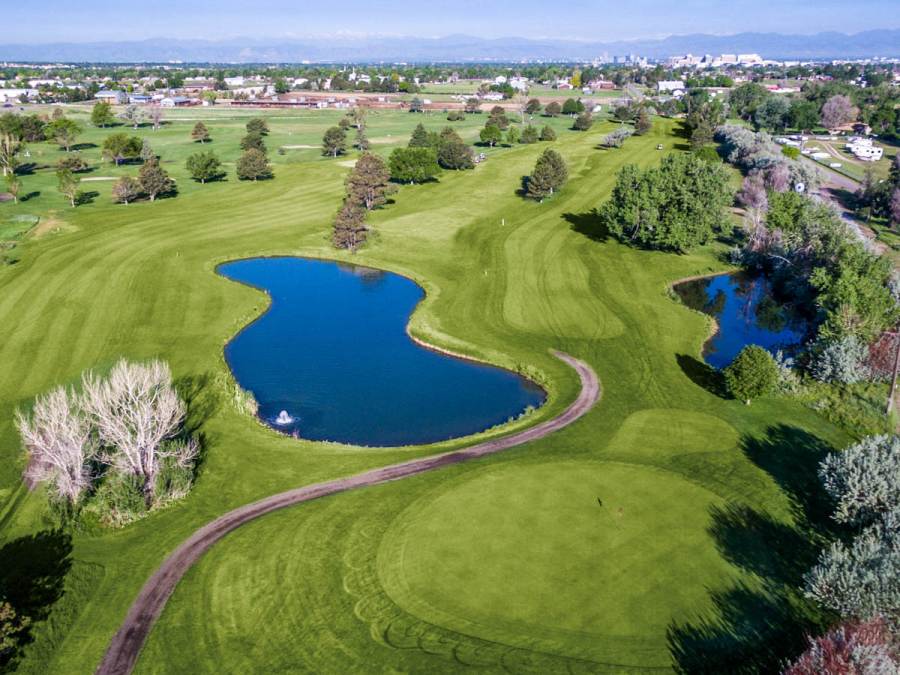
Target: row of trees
(117, 448)
(367, 188)
(829, 106)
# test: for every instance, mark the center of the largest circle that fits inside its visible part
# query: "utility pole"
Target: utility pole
(896, 336)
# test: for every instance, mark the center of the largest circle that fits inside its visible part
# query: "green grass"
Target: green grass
(506, 562)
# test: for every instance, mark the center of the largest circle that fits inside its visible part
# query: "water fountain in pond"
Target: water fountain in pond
(283, 419)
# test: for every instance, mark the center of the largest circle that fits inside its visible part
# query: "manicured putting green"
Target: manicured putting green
(566, 557)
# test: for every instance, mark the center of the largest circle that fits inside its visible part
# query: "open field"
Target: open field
(706, 516)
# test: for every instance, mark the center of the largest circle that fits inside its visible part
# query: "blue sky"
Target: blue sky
(90, 20)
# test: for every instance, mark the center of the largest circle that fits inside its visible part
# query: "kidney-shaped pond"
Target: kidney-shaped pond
(331, 360)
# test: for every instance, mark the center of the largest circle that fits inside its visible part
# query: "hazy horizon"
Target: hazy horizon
(603, 21)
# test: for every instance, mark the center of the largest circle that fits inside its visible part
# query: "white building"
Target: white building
(669, 86)
(15, 95)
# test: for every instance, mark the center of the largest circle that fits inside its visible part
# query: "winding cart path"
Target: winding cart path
(126, 644)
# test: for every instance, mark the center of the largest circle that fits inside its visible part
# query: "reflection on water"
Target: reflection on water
(746, 313)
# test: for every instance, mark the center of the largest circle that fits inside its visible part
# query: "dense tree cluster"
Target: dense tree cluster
(116, 449)
(677, 206)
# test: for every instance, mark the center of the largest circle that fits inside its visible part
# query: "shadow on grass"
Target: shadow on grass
(702, 374)
(32, 575)
(202, 401)
(86, 197)
(589, 224)
(757, 629)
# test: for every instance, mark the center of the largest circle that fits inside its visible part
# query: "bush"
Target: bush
(616, 138)
(858, 648)
(842, 360)
(752, 374)
(119, 500)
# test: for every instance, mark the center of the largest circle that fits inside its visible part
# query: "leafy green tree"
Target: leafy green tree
(572, 107)
(257, 125)
(154, 180)
(204, 166)
(583, 122)
(453, 153)
(623, 113)
(549, 175)
(73, 162)
(413, 165)
(491, 135)
(804, 115)
(643, 124)
(553, 109)
(64, 131)
(533, 107)
(746, 98)
(854, 293)
(68, 184)
(102, 114)
(253, 165)
(676, 206)
(419, 138)
(350, 231)
(255, 141)
(200, 133)
(512, 136)
(773, 114)
(530, 134)
(752, 374)
(547, 133)
(126, 190)
(120, 147)
(473, 105)
(368, 184)
(334, 142)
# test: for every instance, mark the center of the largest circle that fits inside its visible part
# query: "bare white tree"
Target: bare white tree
(135, 410)
(60, 443)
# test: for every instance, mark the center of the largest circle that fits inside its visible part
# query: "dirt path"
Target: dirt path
(126, 644)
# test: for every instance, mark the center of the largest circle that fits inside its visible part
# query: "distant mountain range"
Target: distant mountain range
(455, 48)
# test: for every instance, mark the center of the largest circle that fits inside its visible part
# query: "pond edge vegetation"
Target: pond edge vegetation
(534, 375)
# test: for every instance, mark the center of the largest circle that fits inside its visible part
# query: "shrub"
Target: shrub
(852, 648)
(73, 162)
(842, 360)
(119, 500)
(752, 374)
(615, 138)
(864, 479)
(547, 133)
(530, 135)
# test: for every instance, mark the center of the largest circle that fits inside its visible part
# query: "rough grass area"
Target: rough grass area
(506, 563)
